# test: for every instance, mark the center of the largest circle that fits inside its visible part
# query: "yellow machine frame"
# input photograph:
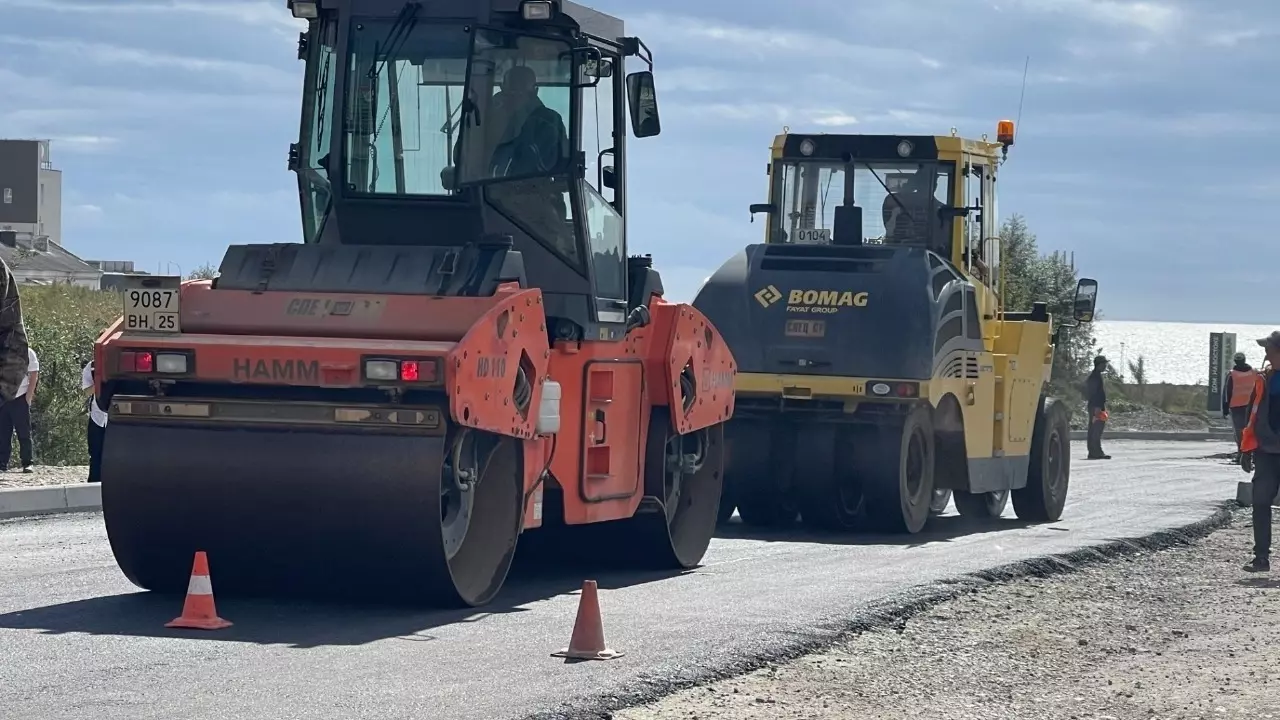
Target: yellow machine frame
(999, 406)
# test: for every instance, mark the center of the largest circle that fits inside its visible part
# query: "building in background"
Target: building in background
(31, 221)
(30, 190)
(40, 261)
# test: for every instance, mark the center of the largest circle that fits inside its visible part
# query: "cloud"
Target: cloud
(835, 120)
(1234, 38)
(714, 36)
(1152, 17)
(255, 74)
(83, 143)
(1190, 125)
(260, 13)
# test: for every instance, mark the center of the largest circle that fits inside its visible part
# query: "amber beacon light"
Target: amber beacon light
(1004, 132)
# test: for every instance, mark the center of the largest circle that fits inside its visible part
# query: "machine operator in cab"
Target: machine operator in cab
(1260, 439)
(533, 135)
(527, 138)
(910, 213)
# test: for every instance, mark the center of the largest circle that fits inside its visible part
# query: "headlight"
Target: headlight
(305, 9)
(171, 363)
(382, 370)
(536, 9)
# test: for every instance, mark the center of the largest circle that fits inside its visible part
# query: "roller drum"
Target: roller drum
(314, 511)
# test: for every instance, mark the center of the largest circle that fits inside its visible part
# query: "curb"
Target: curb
(50, 499)
(897, 609)
(1156, 435)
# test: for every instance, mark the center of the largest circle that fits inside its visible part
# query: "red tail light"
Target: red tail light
(131, 361)
(409, 370)
(384, 369)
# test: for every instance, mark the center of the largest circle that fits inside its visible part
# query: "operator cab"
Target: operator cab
(450, 124)
(895, 191)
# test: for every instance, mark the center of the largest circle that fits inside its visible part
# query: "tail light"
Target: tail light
(886, 388)
(417, 370)
(157, 362)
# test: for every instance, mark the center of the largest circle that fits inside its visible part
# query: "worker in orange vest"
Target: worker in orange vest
(1237, 395)
(1260, 441)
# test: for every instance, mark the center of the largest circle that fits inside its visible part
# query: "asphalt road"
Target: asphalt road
(77, 640)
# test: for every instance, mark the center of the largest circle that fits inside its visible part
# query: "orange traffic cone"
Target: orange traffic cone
(198, 611)
(587, 641)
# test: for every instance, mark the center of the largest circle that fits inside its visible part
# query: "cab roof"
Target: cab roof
(829, 146)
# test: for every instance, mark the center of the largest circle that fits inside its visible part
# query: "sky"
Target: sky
(1145, 141)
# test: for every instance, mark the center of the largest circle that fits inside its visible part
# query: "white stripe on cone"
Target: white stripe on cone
(200, 585)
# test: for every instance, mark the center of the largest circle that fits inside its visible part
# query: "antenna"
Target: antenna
(1023, 95)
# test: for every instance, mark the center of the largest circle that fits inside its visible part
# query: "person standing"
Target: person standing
(1095, 393)
(15, 416)
(1236, 396)
(97, 428)
(14, 349)
(1260, 440)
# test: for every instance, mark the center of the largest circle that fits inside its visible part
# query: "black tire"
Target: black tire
(941, 499)
(981, 506)
(1049, 466)
(897, 470)
(827, 490)
(727, 505)
(767, 507)
(678, 537)
(757, 477)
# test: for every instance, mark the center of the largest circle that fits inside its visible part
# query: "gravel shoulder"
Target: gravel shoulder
(1179, 633)
(45, 475)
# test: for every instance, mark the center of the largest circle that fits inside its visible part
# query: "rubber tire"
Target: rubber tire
(767, 507)
(755, 475)
(981, 506)
(727, 505)
(824, 481)
(941, 499)
(1045, 496)
(883, 472)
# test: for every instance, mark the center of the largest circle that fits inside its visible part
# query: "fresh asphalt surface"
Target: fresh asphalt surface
(78, 640)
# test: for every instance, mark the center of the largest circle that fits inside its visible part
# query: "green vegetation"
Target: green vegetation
(62, 323)
(206, 271)
(1031, 277)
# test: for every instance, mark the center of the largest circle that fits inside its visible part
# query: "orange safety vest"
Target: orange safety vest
(1242, 383)
(1249, 437)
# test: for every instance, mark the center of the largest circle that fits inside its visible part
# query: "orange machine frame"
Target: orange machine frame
(609, 388)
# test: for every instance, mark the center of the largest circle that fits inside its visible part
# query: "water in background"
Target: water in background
(1173, 352)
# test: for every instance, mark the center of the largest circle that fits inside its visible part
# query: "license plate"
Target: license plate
(152, 309)
(806, 328)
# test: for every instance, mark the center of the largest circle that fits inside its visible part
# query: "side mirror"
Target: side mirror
(847, 228)
(588, 60)
(767, 208)
(642, 100)
(608, 177)
(1086, 300)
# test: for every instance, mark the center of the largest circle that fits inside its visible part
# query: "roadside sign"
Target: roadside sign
(1221, 347)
